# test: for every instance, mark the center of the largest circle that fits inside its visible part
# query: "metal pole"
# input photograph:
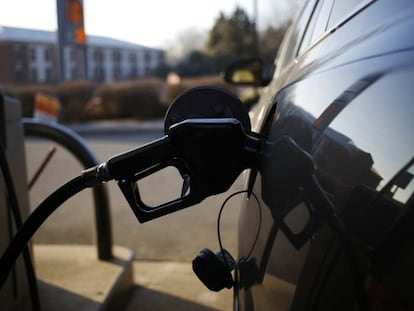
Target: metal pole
(255, 12)
(85, 60)
(255, 27)
(60, 5)
(75, 145)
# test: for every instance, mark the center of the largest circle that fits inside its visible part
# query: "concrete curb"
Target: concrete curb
(72, 278)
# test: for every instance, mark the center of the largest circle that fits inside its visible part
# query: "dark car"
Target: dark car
(343, 92)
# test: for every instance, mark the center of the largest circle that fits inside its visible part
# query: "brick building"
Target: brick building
(31, 56)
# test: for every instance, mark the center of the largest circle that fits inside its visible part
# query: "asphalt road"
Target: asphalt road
(175, 237)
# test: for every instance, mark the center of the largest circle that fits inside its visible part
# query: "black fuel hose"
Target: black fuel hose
(35, 220)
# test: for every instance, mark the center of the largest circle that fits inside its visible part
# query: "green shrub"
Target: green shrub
(84, 100)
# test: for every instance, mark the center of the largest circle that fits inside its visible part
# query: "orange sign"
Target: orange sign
(46, 107)
(70, 20)
(80, 36)
(74, 10)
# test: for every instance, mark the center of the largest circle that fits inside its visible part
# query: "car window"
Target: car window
(326, 14)
(292, 42)
(317, 24)
(376, 137)
(340, 9)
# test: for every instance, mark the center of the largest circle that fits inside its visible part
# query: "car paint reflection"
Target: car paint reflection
(345, 160)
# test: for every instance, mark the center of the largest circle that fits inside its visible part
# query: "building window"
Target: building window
(33, 75)
(160, 56)
(116, 56)
(19, 53)
(98, 74)
(47, 54)
(33, 53)
(133, 73)
(18, 75)
(117, 72)
(147, 57)
(98, 56)
(48, 73)
(73, 73)
(72, 55)
(133, 58)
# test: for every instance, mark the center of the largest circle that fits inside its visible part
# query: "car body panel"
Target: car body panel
(347, 101)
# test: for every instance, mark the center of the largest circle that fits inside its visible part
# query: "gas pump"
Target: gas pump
(14, 203)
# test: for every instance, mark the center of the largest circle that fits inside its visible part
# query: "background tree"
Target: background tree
(197, 63)
(232, 37)
(269, 42)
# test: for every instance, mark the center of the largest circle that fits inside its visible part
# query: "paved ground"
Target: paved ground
(172, 286)
(171, 241)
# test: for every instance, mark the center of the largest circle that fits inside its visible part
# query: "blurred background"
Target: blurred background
(130, 59)
(110, 77)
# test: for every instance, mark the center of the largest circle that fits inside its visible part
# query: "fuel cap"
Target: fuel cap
(206, 102)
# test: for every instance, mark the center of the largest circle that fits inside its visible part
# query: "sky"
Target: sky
(155, 23)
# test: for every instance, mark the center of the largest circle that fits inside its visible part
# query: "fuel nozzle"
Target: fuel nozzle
(207, 139)
(208, 153)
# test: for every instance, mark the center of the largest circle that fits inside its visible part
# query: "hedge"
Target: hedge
(84, 100)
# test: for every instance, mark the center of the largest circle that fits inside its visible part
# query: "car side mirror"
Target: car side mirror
(251, 72)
